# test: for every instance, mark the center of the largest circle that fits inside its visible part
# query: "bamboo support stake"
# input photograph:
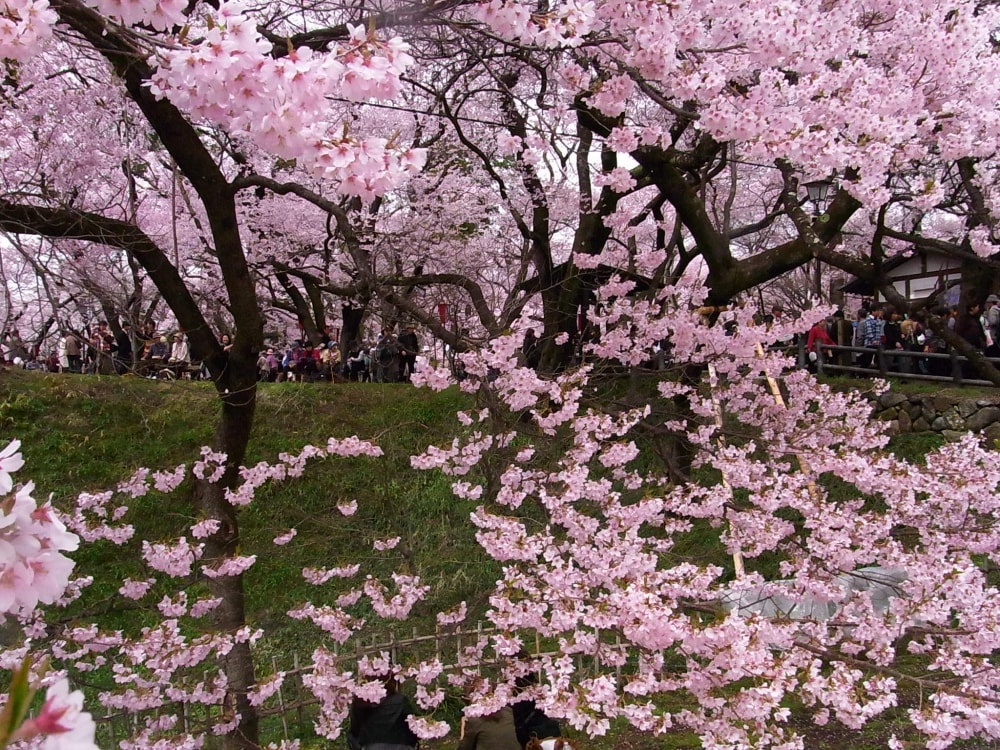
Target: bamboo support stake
(775, 388)
(717, 410)
(281, 699)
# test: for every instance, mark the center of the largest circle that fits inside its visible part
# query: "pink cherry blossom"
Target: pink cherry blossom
(285, 538)
(61, 723)
(10, 461)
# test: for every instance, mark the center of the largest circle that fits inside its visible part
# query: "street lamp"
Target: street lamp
(817, 191)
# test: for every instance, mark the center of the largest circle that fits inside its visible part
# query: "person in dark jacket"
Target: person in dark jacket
(382, 725)
(409, 347)
(893, 333)
(970, 328)
(529, 720)
(491, 732)
(123, 350)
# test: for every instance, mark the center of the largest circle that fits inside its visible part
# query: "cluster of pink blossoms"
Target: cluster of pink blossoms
(230, 77)
(24, 26)
(33, 571)
(33, 568)
(800, 494)
(154, 668)
(825, 86)
(222, 71)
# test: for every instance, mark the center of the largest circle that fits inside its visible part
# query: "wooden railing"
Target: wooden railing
(942, 367)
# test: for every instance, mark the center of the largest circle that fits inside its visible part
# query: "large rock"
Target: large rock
(948, 421)
(890, 399)
(983, 418)
(966, 409)
(941, 404)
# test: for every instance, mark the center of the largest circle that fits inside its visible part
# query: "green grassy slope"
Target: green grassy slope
(83, 433)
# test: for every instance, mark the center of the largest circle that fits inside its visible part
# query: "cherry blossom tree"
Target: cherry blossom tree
(625, 144)
(160, 81)
(440, 241)
(826, 569)
(695, 128)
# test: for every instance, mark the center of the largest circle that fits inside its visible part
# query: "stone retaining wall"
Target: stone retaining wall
(948, 415)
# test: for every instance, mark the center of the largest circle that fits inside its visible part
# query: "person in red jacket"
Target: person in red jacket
(818, 338)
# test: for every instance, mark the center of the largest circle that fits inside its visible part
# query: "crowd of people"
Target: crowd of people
(884, 334)
(97, 350)
(391, 359)
(881, 328)
(166, 355)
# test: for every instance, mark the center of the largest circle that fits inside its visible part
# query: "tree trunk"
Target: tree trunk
(350, 331)
(560, 303)
(232, 435)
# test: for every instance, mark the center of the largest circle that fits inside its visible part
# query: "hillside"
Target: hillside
(83, 433)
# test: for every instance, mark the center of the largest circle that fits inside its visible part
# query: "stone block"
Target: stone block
(941, 404)
(890, 399)
(983, 418)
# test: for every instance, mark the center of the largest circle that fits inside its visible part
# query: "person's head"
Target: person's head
(862, 313)
(225, 338)
(838, 315)
(992, 300)
(877, 311)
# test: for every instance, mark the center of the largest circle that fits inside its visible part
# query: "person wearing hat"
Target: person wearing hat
(991, 323)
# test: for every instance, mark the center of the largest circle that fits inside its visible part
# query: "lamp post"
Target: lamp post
(817, 191)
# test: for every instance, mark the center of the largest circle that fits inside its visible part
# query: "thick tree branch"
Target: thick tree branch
(88, 227)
